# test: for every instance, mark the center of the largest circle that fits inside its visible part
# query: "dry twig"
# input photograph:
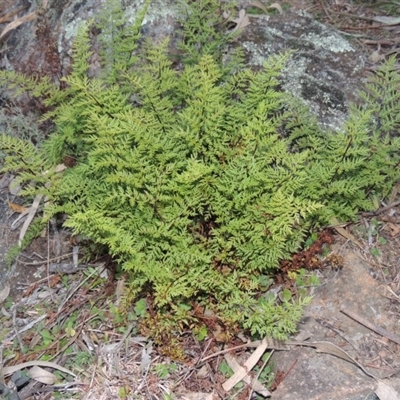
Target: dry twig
(377, 329)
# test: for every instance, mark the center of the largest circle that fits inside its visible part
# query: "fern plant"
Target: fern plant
(201, 179)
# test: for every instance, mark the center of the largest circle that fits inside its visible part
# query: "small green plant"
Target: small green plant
(47, 337)
(265, 372)
(81, 359)
(304, 278)
(200, 332)
(225, 369)
(310, 240)
(374, 227)
(200, 179)
(375, 252)
(70, 330)
(163, 371)
(124, 391)
(382, 240)
(141, 308)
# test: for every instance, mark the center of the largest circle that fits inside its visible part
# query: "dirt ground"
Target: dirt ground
(356, 307)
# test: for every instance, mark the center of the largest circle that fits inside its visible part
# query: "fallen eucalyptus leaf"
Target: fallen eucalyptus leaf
(42, 376)
(386, 392)
(248, 366)
(346, 234)
(4, 292)
(10, 370)
(387, 20)
(17, 22)
(255, 384)
(259, 5)
(32, 211)
(197, 396)
(242, 21)
(277, 6)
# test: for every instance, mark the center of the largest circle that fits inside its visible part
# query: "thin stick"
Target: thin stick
(218, 353)
(38, 262)
(338, 332)
(381, 210)
(259, 373)
(375, 328)
(191, 370)
(21, 346)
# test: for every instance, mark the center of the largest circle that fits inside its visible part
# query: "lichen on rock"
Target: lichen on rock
(324, 70)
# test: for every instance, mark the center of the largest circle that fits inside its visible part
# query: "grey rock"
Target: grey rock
(322, 376)
(324, 72)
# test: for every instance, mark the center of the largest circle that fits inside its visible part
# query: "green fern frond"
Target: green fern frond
(119, 38)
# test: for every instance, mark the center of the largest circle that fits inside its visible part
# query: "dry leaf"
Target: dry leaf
(32, 211)
(17, 208)
(7, 17)
(198, 396)
(259, 5)
(387, 20)
(348, 235)
(53, 281)
(19, 220)
(393, 195)
(203, 372)
(386, 392)
(120, 290)
(75, 255)
(60, 168)
(4, 292)
(375, 56)
(42, 376)
(30, 289)
(277, 6)
(218, 333)
(17, 22)
(394, 229)
(256, 385)
(248, 366)
(242, 21)
(7, 371)
(330, 348)
(90, 345)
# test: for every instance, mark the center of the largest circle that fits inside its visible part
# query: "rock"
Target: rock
(43, 46)
(324, 71)
(319, 376)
